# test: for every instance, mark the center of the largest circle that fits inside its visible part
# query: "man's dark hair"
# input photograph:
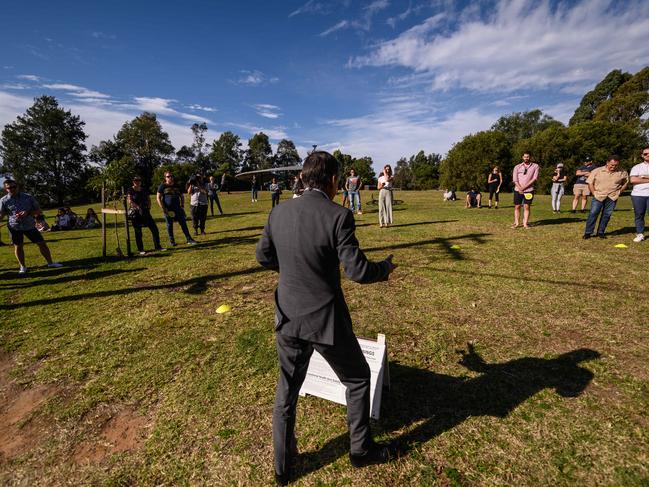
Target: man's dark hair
(10, 182)
(318, 169)
(613, 157)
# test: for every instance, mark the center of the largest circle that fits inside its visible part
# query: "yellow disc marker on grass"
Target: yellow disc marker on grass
(224, 308)
(621, 246)
(455, 247)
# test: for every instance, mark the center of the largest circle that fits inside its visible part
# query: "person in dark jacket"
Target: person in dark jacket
(305, 240)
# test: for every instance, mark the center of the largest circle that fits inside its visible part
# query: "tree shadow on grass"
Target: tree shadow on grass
(447, 243)
(441, 402)
(622, 231)
(195, 284)
(89, 276)
(408, 224)
(524, 279)
(557, 221)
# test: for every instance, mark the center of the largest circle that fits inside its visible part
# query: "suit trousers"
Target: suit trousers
(346, 359)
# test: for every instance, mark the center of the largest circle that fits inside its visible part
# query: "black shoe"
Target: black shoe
(377, 453)
(601, 235)
(283, 479)
(586, 236)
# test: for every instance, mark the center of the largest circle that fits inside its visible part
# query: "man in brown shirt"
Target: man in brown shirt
(606, 183)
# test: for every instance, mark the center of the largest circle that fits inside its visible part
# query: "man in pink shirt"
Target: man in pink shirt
(524, 176)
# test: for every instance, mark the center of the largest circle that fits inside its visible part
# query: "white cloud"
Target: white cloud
(102, 35)
(77, 91)
(254, 78)
(14, 86)
(521, 44)
(202, 108)
(363, 23)
(267, 111)
(311, 7)
(340, 25)
(400, 129)
(276, 133)
(102, 122)
(163, 106)
(28, 77)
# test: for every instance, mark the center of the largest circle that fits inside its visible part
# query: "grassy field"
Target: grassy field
(519, 358)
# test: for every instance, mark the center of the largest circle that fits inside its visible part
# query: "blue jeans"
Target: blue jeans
(355, 200)
(253, 192)
(179, 217)
(606, 208)
(640, 208)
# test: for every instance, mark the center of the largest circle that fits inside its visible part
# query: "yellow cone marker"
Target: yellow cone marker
(621, 246)
(224, 308)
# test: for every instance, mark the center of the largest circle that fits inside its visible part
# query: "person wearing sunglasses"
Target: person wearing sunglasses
(640, 193)
(21, 209)
(524, 176)
(170, 200)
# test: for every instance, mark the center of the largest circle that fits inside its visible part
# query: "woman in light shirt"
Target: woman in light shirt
(385, 197)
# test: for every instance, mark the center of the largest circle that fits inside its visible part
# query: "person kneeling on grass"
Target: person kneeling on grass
(473, 199)
(21, 208)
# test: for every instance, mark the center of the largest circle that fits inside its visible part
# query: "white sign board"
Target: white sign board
(321, 380)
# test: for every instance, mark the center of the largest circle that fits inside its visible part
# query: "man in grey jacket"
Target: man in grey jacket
(305, 240)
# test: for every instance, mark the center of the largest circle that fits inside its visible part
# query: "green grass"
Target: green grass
(142, 335)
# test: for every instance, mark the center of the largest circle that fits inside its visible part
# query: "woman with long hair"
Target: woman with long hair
(385, 197)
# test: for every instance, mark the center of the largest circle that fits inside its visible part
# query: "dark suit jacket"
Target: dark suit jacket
(305, 240)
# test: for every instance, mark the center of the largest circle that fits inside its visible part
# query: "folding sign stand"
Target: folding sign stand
(321, 381)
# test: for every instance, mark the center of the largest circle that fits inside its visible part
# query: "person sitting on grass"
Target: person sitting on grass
(63, 221)
(21, 209)
(91, 220)
(40, 222)
(473, 199)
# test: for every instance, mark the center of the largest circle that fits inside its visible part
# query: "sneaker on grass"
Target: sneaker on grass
(54, 265)
(639, 237)
(191, 242)
(22, 271)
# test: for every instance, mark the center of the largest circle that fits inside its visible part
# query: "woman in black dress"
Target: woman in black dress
(494, 181)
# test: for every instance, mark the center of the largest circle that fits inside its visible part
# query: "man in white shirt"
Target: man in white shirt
(640, 194)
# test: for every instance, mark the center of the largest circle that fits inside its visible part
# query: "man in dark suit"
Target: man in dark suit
(305, 239)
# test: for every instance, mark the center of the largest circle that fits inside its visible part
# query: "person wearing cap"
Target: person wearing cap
(580, 188)
(21, 209)
(640, 193)
(606, 183)
(558, 181)
(524, 176)
(139, 200)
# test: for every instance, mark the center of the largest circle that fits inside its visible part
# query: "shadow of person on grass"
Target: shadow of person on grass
(557, 221)
(440, 402)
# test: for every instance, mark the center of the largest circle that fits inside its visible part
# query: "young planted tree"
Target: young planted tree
(44, 151)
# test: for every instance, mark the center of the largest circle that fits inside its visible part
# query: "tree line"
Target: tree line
(44, 149)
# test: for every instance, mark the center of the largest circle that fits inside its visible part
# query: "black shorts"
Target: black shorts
(519, 198)
(18, 236)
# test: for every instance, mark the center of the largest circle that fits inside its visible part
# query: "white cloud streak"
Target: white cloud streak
(522, 44)
(254, 78)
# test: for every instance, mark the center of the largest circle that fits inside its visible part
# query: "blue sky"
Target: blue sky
(383, 78)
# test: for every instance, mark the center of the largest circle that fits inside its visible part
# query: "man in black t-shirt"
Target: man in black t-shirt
(580, 188)
(170, 200)
(140, 201)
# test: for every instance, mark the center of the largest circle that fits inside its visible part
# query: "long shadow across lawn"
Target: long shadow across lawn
(407, 224)
(447, 244)
(556, 221)
(88, 276)
(441, 402)
(193, 285)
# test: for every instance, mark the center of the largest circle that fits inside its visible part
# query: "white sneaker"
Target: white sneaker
(639, 238)
(143, 252)
(22, 271)
(54, 265)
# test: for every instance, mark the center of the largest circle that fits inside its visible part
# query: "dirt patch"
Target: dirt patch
(124, 431)
(19, 432)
